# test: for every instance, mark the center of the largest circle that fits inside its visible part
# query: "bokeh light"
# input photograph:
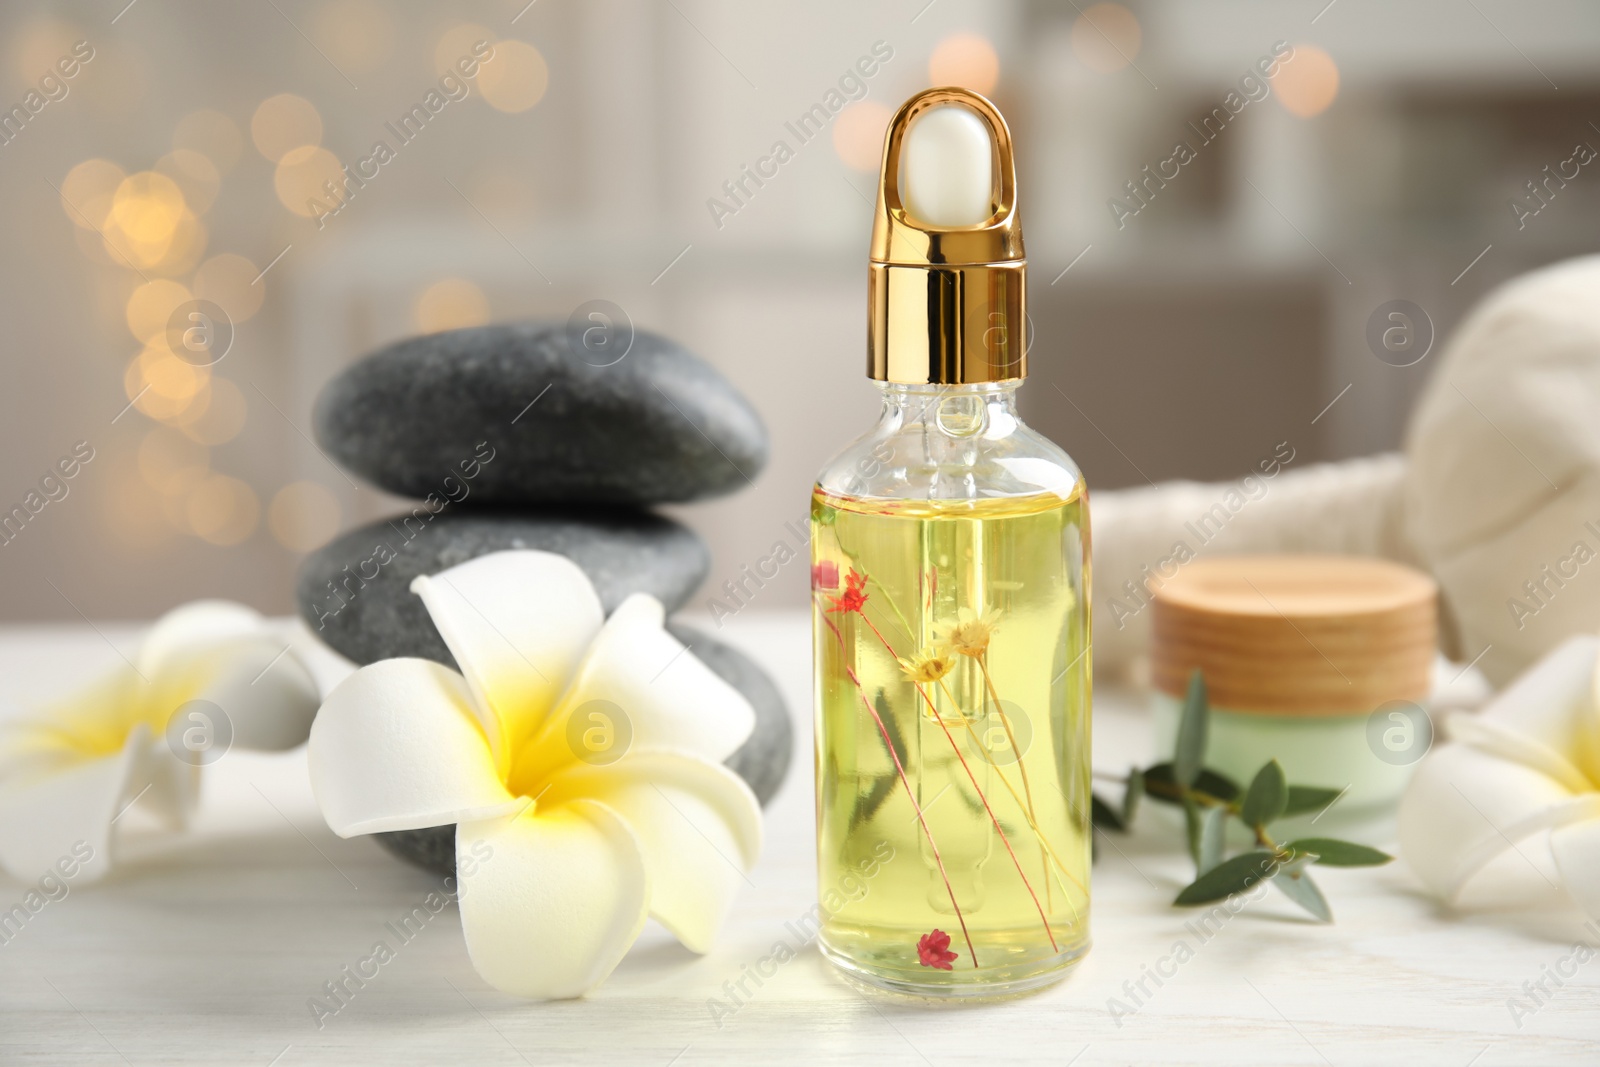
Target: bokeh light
(194, 406)
(147, 206)
(222, 510)
(301, 178)
(171, 463)
(449, 304)
(858, 134)
(178, 254)
(356, 34)
(303, 516)
(151, 305)
(229, 281)
(165, 408)
(88, 190)
(967, 60)
(36, 47)
(456, 44)
(284, 123)
(150, 226)
(195, 175)
(169, 376)
(164, 387)
(516, 78)
(1106, 37)
(1307, 83)
(217, 415)
(212, 134)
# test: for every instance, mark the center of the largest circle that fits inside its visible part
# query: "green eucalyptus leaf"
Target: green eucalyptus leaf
(1189, 754)
(1331, 852)
(1267, 796)
(1130, 798)
(1104, 815)
(1294, 880)
(1213, 824)
(1191, 826)
(1231, 876)
(1307, 798)
(1208, 782)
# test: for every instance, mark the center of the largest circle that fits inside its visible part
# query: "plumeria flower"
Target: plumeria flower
(209, 675)
(1527, 764)
(581, 755)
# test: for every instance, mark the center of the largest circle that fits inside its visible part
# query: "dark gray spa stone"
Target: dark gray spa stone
(623, 550)
(658, 425)
(762, 761)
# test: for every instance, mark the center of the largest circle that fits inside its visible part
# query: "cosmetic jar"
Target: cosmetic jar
(1320, 662)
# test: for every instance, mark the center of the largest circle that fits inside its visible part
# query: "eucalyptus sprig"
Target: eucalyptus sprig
(1209, 799)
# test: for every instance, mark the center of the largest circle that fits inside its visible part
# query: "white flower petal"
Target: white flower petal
(1509, 743)
(1554, 703)
(202, 622)
(1464, 807)
(1577, 852)
(64, 811)
(90, 723)
(396, 746)
(225, 653)
(265, 691)
(517, 623)
(661, 696)
(167, 787)
(552, 899)
(697, 823)
(68, 769)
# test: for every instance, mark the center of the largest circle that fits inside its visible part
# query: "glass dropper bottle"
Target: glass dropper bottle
(950, 599)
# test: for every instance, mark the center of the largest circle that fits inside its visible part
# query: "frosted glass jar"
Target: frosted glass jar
(1333, 750)
(1320, 662)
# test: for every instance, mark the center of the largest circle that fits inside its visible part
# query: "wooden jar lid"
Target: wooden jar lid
(1296, 635)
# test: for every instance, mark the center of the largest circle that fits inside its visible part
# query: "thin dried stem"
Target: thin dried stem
(1005, 721)
(992, 818)
(977, 788)
(1016, 797)
(911, 796)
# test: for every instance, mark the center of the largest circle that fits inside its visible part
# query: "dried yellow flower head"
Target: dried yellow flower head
(969, 635)
(928, 666)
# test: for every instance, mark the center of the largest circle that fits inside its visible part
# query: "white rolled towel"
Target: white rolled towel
(1497, 494)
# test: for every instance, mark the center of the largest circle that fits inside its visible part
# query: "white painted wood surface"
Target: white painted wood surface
(205, 949)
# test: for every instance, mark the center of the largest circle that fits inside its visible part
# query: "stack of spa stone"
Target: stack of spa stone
(510, 437)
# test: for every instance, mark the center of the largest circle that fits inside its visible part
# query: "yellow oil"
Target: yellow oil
(994, 753)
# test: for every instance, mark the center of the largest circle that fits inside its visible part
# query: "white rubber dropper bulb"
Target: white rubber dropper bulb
(947, 168)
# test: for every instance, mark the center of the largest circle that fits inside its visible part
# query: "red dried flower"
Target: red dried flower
(933, 950)
(825, 575)
(854, 596)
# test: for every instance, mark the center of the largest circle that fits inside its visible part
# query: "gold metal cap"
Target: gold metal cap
(947, 306)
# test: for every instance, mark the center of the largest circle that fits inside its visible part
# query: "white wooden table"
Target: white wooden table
(206, 949)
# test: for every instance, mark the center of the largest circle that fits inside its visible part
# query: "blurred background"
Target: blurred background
(1184, 324)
